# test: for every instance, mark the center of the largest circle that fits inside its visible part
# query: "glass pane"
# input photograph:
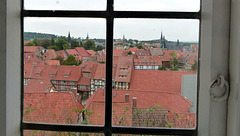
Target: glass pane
(58, 133)
(155, 73)
(65, 4)
(157, 5)
(60, 68)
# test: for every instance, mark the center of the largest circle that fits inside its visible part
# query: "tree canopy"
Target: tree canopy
(29, 44)
(71, 60)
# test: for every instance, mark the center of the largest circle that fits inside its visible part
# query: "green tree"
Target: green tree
(195, 66)
(129, 53)
(65, 46)
(30, 44)
(71, 60)
(54, 47)
(173, 61)
(35, 41)
(89, 45)
(162, 67)
(99, 48)
(61, 42)
(44, 43)
(74, 43)
(139, 46)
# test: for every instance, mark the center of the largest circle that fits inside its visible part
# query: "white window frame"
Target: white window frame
(214, 40)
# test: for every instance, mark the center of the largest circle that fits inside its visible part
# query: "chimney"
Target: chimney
(134, 101)
(126, 97)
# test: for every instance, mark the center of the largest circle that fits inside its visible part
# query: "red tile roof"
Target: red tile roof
(50, 54)
(142, 52)
(145, 99)
(133, 49)
(27, 70)
(38, 85)
(30, 58)
(91, 52)
(53, 62)
(100, 72)
(89, 67)
(57, 107)
(62, 54)
(72, 52)
(82, 51)
(30, 48)
(117, 52)
(160, 81)
(84, 81)
(148, 60)
(46, 71)
(124, 68)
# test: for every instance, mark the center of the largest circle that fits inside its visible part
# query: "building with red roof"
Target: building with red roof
(141, 53)
(50, 54)
(136, 107)
(117, 52)
(157, 80)
(52, 62)
(148, 63)
(55, 107)
(123, 72)
(82, 51)
(39, 85)
(30, 58)
(91, 52)
(72, 52)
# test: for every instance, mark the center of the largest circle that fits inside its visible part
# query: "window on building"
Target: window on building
(111, 16)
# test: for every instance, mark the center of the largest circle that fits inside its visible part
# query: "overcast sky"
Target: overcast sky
(141, 29)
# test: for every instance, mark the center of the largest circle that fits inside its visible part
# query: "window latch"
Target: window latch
(219, 89)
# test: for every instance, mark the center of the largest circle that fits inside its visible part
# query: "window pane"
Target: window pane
(60, 68)
(58, 133)
(65, 4)
(157, 5)
(155, 73)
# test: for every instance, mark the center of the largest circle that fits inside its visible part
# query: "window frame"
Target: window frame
(109, 15)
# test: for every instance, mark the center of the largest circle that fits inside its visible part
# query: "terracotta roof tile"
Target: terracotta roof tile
(72, 52)
(38, 85)
(82, 51)
(157, 80)
(57, 107)
(50, 54)
(53, 62)
(91, 52)
(145, 99)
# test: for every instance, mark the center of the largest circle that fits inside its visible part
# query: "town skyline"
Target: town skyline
(139, 29)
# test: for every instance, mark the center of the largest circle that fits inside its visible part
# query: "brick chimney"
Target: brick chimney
(126, 97)
(134, 101)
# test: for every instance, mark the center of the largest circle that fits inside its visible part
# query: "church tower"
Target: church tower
(69, 40)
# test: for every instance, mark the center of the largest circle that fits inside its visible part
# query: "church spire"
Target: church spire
(69, 38)
(87, 37)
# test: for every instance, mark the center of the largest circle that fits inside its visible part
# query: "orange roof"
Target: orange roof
(124, 68)
(148, 60)
(72, 52)
(91, 52)
(82, 51)
(117, 52)
(57, 107)
(38, 85)
(30, 48)
(50, 54)
(100, 72)
(145, 99)
(157, 80)
(52, 62)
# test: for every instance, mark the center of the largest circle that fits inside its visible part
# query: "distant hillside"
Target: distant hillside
(32, 35)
